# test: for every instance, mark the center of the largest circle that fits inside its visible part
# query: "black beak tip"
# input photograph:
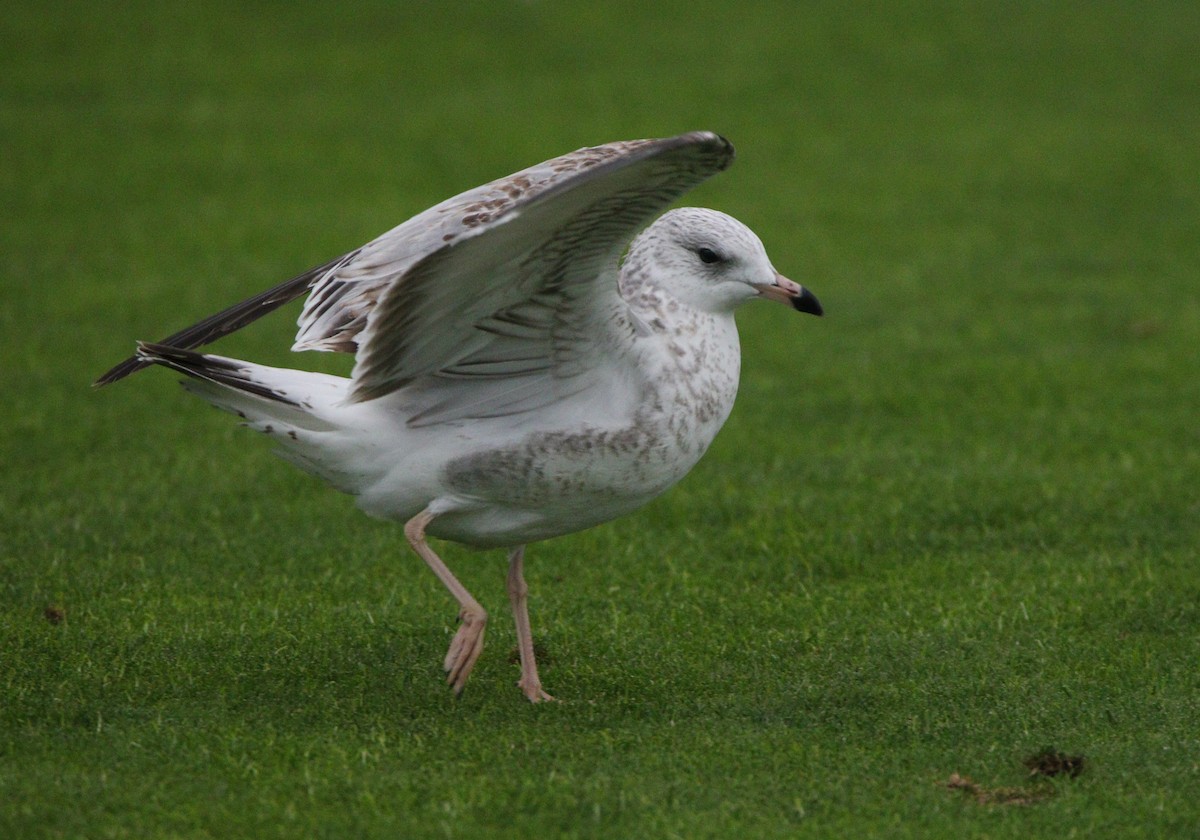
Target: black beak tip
(807, 302)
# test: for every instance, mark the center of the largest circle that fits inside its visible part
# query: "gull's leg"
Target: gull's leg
(468, 641)
(517, 592)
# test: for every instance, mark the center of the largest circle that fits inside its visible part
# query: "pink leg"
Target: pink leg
(517, 593)
(467, 643)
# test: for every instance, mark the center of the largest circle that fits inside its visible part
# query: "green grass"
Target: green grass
(953, 522)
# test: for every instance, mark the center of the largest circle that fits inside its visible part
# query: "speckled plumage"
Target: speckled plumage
(514, 380)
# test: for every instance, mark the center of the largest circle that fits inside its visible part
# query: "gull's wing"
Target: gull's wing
(508, 300)
(492, 285)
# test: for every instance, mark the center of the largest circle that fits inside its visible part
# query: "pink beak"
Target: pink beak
(793, 294)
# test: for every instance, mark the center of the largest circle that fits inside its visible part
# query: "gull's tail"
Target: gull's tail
(299, 409)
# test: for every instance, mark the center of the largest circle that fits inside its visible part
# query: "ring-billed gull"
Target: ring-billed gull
(514, 378)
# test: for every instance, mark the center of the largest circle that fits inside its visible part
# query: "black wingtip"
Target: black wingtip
(717, 143)
(708, 137)
(120, 371)
(231, 319)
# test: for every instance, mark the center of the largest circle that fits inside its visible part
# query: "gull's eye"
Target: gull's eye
(708, 255)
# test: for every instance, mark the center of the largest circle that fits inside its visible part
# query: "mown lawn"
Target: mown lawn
(952, 524)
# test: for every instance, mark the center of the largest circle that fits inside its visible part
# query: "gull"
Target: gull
(526, 364)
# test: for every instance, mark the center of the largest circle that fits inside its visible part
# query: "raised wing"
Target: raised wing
(495, 285)
(512, 297)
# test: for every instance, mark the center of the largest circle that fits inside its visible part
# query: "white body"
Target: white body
(649, 413)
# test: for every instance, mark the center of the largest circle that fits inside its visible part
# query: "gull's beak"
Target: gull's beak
(793, 294)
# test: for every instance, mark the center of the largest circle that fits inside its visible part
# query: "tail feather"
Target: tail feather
(260, 395)
(306, 413)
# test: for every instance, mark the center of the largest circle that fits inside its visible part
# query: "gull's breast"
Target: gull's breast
(551, 482)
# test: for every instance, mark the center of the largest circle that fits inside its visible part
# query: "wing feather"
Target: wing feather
(502, 287)
(535, 274)
(232, 319)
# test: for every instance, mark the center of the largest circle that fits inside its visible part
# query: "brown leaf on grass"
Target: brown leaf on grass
(998, 795)
(54, 614)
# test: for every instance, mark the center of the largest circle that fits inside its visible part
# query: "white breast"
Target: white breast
(597, 456)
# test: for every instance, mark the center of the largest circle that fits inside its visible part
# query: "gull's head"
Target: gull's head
(712, 262)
